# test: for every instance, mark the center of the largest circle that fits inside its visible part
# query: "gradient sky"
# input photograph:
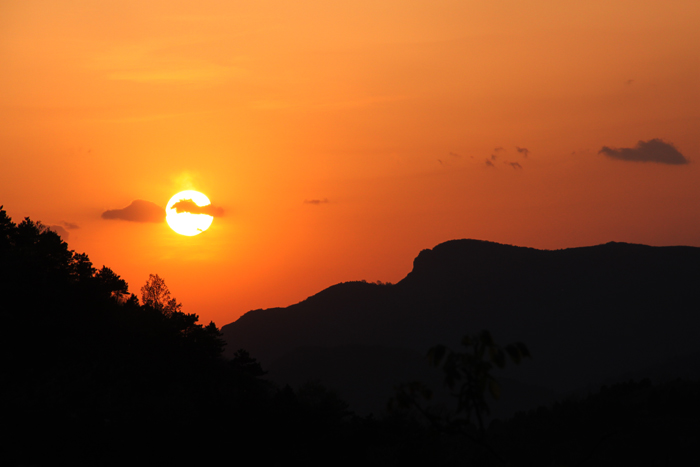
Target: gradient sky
(341, 138)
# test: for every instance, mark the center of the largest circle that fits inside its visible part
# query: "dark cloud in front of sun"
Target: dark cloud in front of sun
(524, 151)
(499, 148)
(63, 233)
(489, 163)
(494, 157)
(138, 211)
(316, 202)
(454, 154)
(654, 150)
(187, 205)
(516, 166)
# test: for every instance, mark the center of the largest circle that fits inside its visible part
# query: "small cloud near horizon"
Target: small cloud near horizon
(187, 205)
(63, 233)
(69, 225)
(524, 151)
(316, 202)
(654, 150)
(138, 211)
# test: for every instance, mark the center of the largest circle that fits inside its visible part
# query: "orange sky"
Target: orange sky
(402, 117)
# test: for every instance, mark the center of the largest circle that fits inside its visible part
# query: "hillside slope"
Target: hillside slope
(587, 314)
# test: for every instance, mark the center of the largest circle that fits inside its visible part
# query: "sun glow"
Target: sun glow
(185, 222)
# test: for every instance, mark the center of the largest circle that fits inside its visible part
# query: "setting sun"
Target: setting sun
(183, 216)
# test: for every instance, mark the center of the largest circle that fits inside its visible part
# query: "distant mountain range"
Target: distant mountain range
(588, 315)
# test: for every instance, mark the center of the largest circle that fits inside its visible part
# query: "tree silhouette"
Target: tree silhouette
(157, 295)
(469, 377)
(468, 374)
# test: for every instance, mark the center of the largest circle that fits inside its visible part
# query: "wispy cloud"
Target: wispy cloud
(489, 163)
(138, 211)
(69, 225)
(350, 102)
(62, 230)
(187, 205)
(316, 201)
(516, 166)
(654, 150)
(158, 61)
(524, 151)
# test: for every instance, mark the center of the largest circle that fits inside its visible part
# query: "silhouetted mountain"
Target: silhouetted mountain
(587, 314)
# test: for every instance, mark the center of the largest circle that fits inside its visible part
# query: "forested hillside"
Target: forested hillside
(92, 376)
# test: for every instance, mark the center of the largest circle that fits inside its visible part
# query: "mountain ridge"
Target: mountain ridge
(587, 313)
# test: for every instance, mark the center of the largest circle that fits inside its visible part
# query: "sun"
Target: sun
(188, 221)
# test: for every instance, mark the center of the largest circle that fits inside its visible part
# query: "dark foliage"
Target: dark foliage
(85, 368)
(468, 374)
(92, 377)
(632, 423)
